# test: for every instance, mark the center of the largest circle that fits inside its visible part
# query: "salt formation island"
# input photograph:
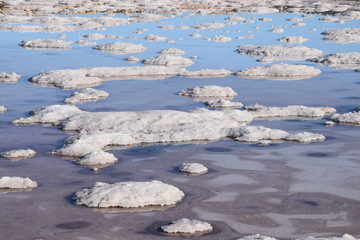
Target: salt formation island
(17, 183)
(9, 77)
(208, 92)
(119, 48)
(293, 39)
(129, 195)
(187, 227)
(346, 118)
(2, 109)
(46, 44)
(193, 168)
(222, 104)
(349, 60)
(344, 35)
(97, 159)
(18, 154)
(86, 95)
(168, 60)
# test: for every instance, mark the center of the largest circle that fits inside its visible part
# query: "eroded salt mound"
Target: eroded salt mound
(187, 226)
(350, 117)
(98, 36)
(18, 154)
(3, 109)
(276, 30)
(261, 237)
(9, 77)
(293, 39)
(155, 38)
(193, 168)
(345, 35)
(172, 51)
(168, 60)
(17, 183)
(223, 104)
(86, 95)
(279, 71)
(45, 44)
(97, 158)
(209, 91)
(131, 59)
(212, 25)
(205, 73)
(350, 60)
(270, 53)
(85, 43)
(219, 39)
(129, 195)
(119, 48)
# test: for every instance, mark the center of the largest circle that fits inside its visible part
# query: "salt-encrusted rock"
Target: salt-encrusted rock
(219, 39)
(172, 51)
(86, 95)
(270, 53)
(154, 38)
(45, 44)
(279, 71)
(131, 59)
(2, 109)
(345, 35)
(98, 36)
(329, 123)
(205, 73)
(349, 60)
(277, 30)
(350, 117)
(223, 104)
(18, 154)
(265, 19)
(17, 183)
(129, 195)
(120, 48)
(168, 60)
(85, 43)
(293, 39)
(187, 227)
(212, 25)
(9, 77)
(194, 35)
(306, 137)
(97, 158)
(193, 168)
(209, 91)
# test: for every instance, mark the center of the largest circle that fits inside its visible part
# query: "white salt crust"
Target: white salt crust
(261, 237)
(279, 71)
(97, 158)
(193, 168)
(209, 91)
(350, 117)
(205, 73)
(349, 60)
(293, 39)
(168, 60)
(3, 109)
(119, 48)
(270, 53)
(219, 39)
(172, 51)
(188, 226)
(154, 38)
(85, 43)
(18, 154)
(194, 35)
(129, 195)
(223, 104)
(46, 44)
(345, 35)
(131, 59)
(9, 77)
(277, 30)
(98, 36)
(86, 95)
(17, 183)
(212, 25)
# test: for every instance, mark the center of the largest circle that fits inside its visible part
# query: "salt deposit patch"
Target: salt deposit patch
(193, 168)
(9, 77)
(350, 117)
(168, 60)
(212, 25)
(261, 237)
(129, 195)
(293, 39)
(46, 44)
(85, 43)
(277, 30)
(18, 154)
(172, 51)
(270, 53)
(2, 109)
(98, 36)
(86, 95)
(205, 73)
(187, 227)
(280, 71)
(17, 183)
(97, 158)
(131, 59)
(211, 91)
(258, 10)
(223, 104)
(119, 48)
(194, 35)
(219, 39)
(350, 60)
(345, 35)
(154, 38)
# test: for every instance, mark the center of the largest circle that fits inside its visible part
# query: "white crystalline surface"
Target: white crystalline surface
(86, 95)
(223, 104)
(277, 30)
(212, 25)
(129, 195)
(193, 168)
(185, 225)
(209, 91)
(98, 36)
(194, 35)
(172, 51)
(279, 71)
(261, 237)
(270, 53)
(293, 39)
(85, 43)
(349, 60)
(9, 77)
(219, 39)
(205, 73)
(2, 109)
(45, 44)
(154, 38)
(344, 35)
(168, 60)
(18, 154)
(17, 183)
(120, 48)
(97, 158)
(350, 117)
(131, 59)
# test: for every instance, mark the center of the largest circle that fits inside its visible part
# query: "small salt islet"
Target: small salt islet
(18, 154)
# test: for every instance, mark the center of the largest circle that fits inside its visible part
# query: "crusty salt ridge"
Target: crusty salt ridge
(345, 35)
(131, 59)
(205, 73)
(172, 51)
(212, 25)
(129, 195)
(193, 168)
(277, 30)
(45, 44)
(272, 53)
(154, 38)
(9, 77)
(223, 104)
(279, 71)
(17, 183)
(2, 109)
(86, 95)
(293, 39)
(343, 237)
(119, 48)
(350, 117)
(98, 36)
(209, 91)
(97, 158)
(331, 19)
(168, 60)
(219, 39)
(194, 35)
(256, 237)
(350, 60)
(258, 10)
(18, 154)
(187, 226)
(85, 43)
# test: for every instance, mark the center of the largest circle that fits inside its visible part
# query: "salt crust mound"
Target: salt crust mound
(86, 95)
(45, 44)
(129, 195)
(131, 59)
(205, 73)
(350, 60)
(219, 39)
(194, 35)
(350, 117)
(279, 71)
(185, 225)
(293, 39)
(98, 36)
(120, 48)
(223, 104)
(154, 38)
(258, 10)
(270, 53)
(261, 237)
(168, 60)
(85, 43)
(345, 35)
(9, 77)
(97, 158)
(18, 154)
(172, 51)
(193, 168)
(3, 109)
(235, 18)
(212, 25)
(209, 91)
(276, 30)
(17, 183)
